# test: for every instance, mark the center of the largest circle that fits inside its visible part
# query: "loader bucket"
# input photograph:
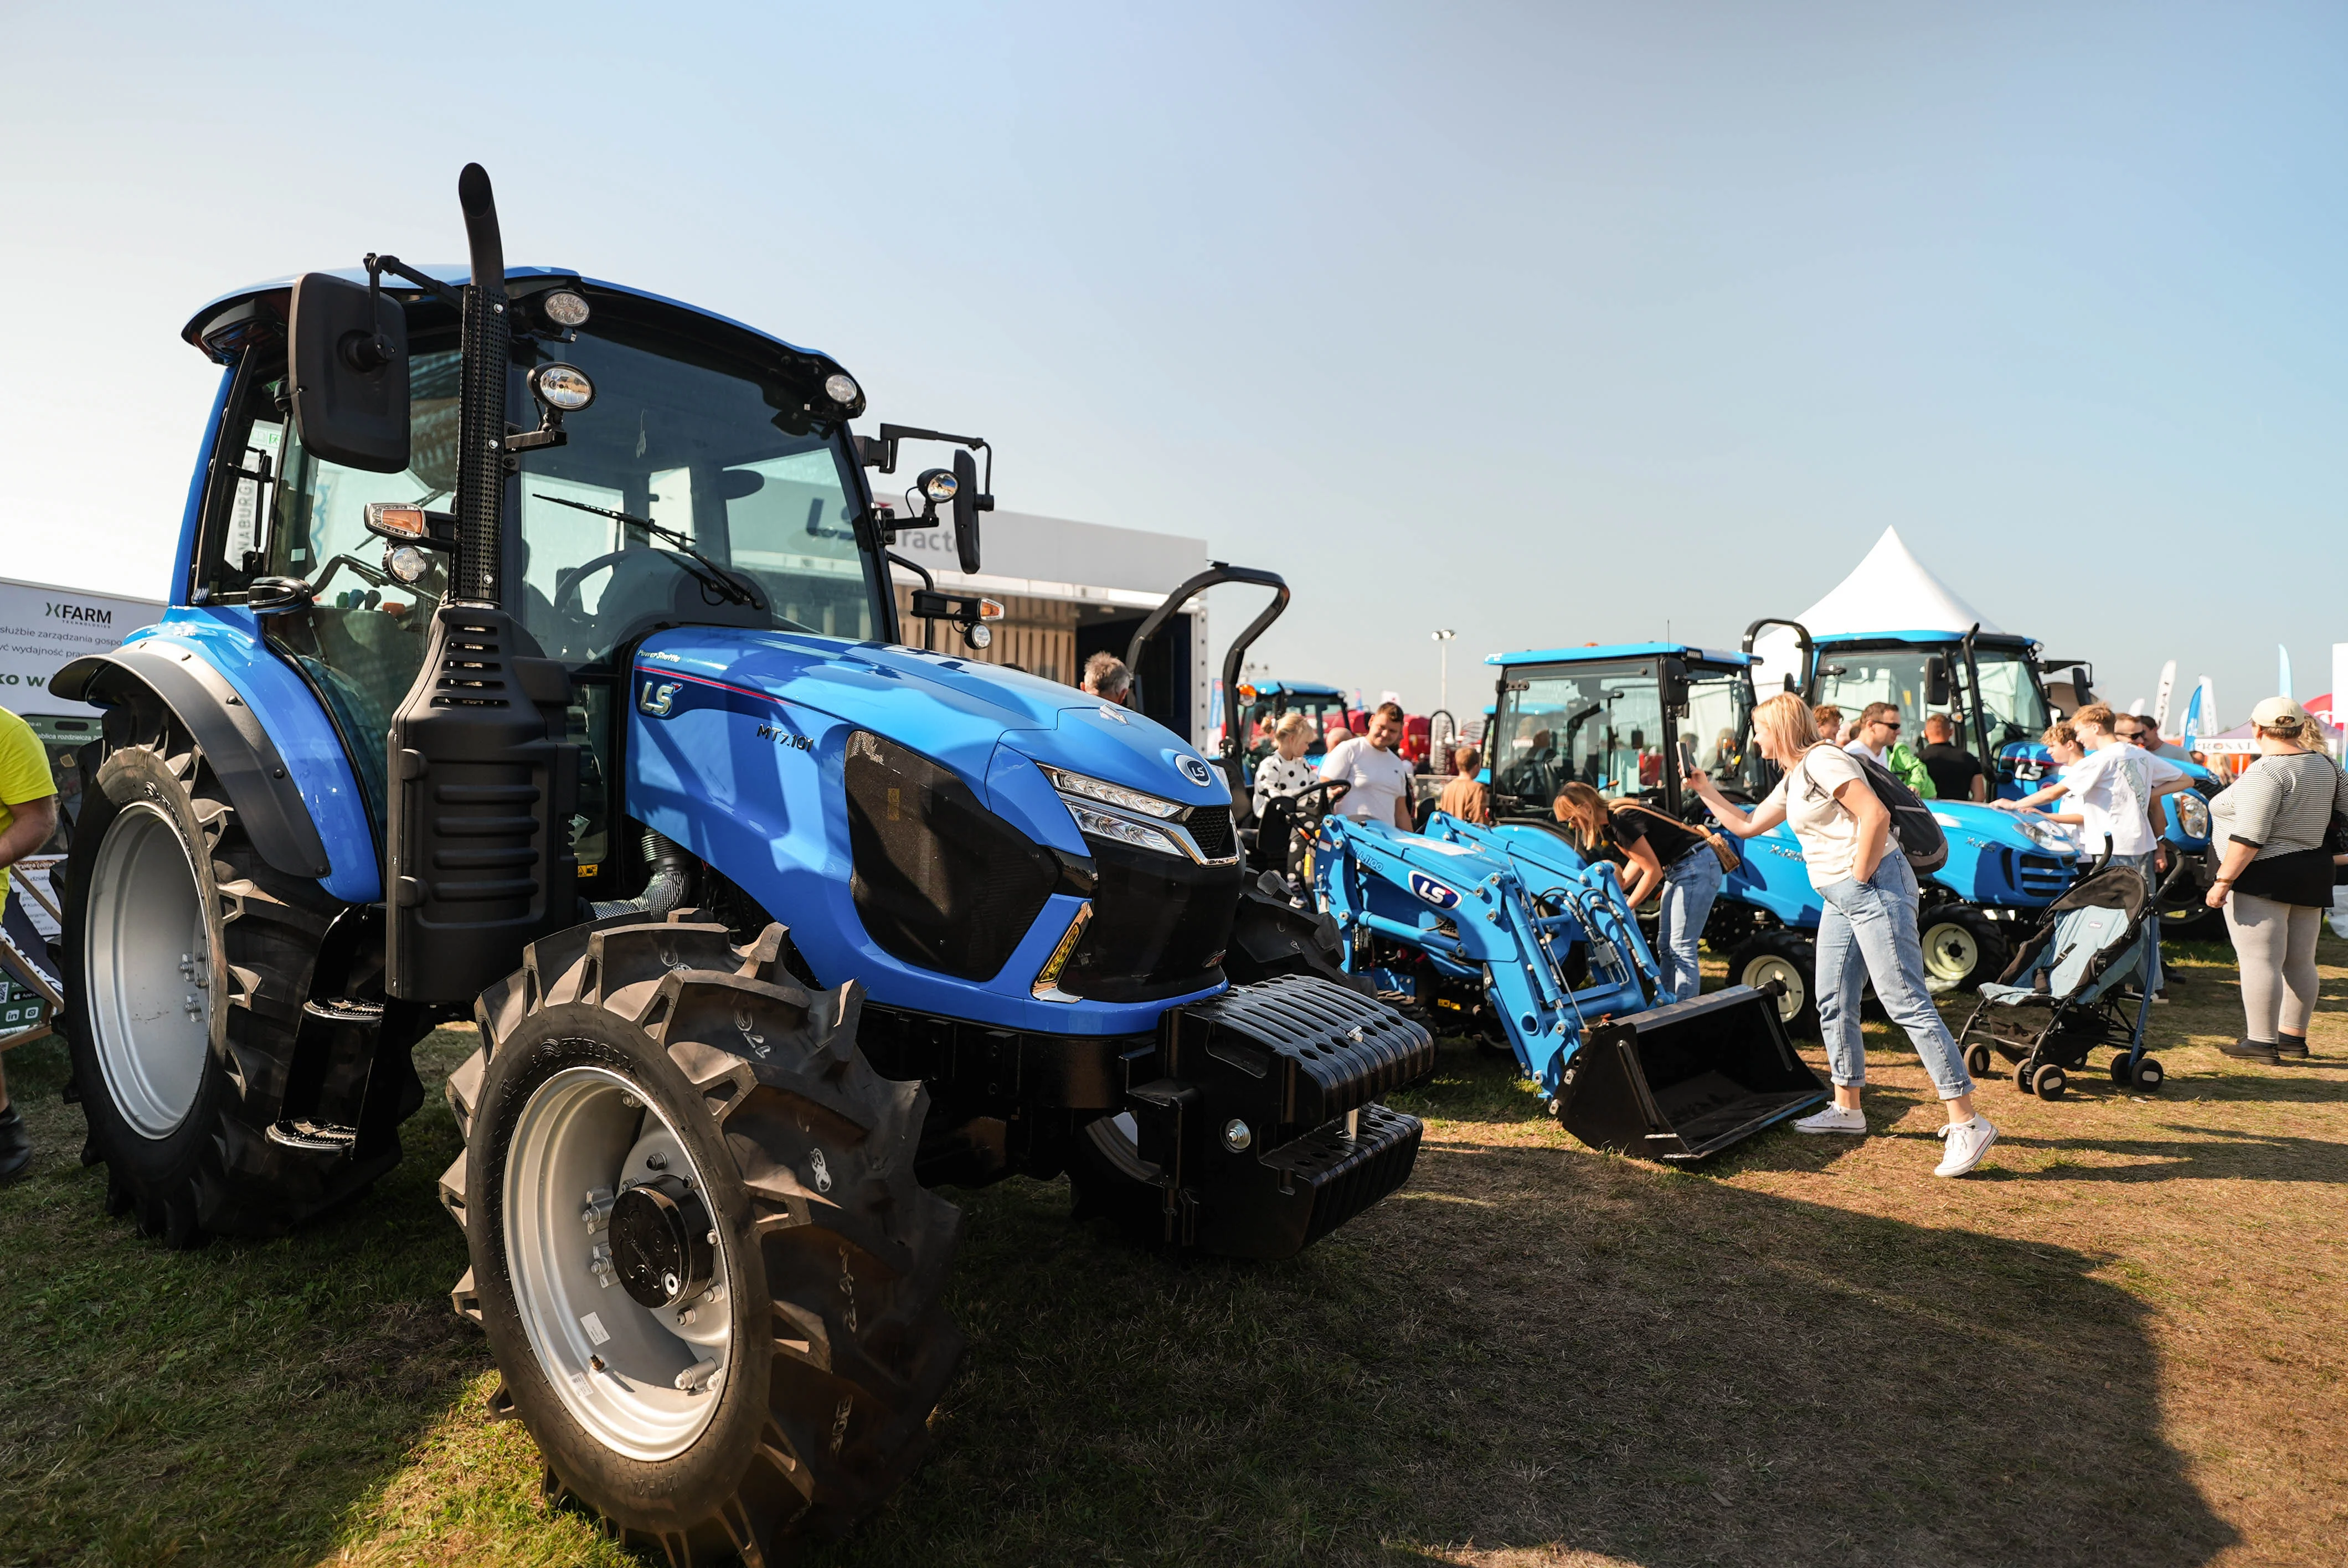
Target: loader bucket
(1688, 1079)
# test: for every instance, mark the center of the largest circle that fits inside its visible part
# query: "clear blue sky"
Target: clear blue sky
(1549, 323)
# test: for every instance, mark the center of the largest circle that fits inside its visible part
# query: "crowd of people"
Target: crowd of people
(2281, 831)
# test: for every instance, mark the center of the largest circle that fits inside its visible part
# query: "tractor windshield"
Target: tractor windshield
(711, 449)
(1321, 710)
(1602, 724)
(1852, 678)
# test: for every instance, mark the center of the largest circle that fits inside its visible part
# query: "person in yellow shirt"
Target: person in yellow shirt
(28, 814)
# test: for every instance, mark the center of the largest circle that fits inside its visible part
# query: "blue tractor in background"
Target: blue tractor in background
(1632, 720)
(1261, 704)
(1991, 686)
(532, 658)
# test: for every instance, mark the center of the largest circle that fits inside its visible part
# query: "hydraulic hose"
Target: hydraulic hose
(670, 887)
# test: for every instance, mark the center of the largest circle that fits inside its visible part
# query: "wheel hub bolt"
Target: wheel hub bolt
(1237, 1136)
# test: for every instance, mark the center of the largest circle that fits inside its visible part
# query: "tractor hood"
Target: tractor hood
(1988, 827)
(955, 710)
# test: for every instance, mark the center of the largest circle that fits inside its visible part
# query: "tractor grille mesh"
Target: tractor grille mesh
(1212, 826)
(1159, 929)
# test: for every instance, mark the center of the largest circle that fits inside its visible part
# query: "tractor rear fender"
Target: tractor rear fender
(288, 779)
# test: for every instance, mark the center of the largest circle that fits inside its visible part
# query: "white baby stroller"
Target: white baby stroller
(2061, 998)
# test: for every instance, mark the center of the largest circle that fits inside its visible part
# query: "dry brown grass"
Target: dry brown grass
(2118, 1344)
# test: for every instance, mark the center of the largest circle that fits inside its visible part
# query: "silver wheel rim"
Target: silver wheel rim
(149, 964)
(1951, 953)
(615, 1363)
(1762, 970)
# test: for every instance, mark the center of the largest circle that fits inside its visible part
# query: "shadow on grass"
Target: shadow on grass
(230, 1405)
(1543, 1349)
(2202, 1153)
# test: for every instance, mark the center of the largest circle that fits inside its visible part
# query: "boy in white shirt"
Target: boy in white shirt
(2112, 787)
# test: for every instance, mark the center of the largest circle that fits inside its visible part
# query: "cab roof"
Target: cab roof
(1604, 650)
(209, 328)
(2000, 639)
(1294, 689)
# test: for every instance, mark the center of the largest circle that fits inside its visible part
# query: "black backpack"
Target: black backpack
(1912, 828)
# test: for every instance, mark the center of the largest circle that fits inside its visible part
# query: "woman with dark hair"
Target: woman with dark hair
(1659, 855)
(2274, 874)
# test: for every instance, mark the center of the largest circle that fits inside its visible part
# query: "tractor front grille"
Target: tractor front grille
(1159, 929)
(2042, 875)
(1210, 826)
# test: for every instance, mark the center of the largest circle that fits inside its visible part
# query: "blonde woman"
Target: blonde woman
(2274, 874)
(1867, 931)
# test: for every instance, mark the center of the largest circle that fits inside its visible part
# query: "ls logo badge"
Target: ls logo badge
(1195, 770)
(658, 695)
(1434, 892)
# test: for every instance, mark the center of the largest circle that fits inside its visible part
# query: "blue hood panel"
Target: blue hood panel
(951, 709)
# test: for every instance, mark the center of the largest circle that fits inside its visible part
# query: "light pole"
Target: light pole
(1443, 640)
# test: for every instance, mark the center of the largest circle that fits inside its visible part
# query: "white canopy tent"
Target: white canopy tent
(1889, 590)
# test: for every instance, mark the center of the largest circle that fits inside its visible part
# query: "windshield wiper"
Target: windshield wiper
(725, 582)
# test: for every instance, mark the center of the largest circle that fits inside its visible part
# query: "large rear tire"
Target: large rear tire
(711, 1281)
(187, 961)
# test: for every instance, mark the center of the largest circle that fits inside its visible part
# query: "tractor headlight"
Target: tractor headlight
(564, 308)
(1096, 823)
(1117, 795)
(2192, 814)
(841, 388)
(562, 386)
(2046, 836)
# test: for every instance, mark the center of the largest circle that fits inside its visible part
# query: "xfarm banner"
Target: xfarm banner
(44, 627)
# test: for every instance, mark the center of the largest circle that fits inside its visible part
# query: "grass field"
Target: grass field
(2120, 1342)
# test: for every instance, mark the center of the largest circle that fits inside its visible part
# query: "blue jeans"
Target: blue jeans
(2151, 873)
(1690, 885)
(1868, 933)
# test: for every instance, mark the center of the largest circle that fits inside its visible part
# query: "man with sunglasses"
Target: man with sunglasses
(1876, 737)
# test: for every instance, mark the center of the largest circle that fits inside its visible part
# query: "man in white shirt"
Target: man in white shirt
(2113, 789)
(1379, 777)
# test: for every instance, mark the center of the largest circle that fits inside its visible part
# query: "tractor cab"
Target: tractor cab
(1989, 685)
(1263, 705)
(1629, 720)
(706, 477)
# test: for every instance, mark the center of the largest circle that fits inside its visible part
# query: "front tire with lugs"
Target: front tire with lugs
(708, 1392)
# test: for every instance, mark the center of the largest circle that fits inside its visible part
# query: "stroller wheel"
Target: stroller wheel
(2149, 1073)
(2120, 1073)
(2021, 1078)
(1977, 1058)
(2049, 1081)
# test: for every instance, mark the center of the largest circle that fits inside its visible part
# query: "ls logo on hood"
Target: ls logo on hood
(1195, 770)
(1434, 892)
(657, 697)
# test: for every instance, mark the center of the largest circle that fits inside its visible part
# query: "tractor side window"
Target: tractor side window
(2010, 697)
(1710, 735)
(1600, 727)
(362, 639)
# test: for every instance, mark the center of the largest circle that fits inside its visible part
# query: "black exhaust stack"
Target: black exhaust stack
(482, 780)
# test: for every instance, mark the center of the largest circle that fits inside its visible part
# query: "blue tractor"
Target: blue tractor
(1991, 686)
(1261, 704)
(1509, 932)
(532, 658)
(1631, 720)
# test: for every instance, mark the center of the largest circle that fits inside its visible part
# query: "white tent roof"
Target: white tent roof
(1889, 590)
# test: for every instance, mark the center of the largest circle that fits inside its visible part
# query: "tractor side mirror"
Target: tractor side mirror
(347, 359)
(1936, 681)
(968, 502)
(1672, 684)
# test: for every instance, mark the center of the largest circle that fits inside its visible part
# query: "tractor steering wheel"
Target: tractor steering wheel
(1316, 810)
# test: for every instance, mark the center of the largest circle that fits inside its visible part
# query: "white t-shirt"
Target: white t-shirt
(1827, 833)
(1381, 780)
(2157, 768)
(2110, 789)
(1277, 775)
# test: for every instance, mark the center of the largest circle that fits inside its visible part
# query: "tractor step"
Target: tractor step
(314, 1137)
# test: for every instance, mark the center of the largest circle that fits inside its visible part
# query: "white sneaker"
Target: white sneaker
(1967, 1143)
(1833, 1119)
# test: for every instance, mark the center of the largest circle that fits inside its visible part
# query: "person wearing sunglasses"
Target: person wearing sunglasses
(1876, 736)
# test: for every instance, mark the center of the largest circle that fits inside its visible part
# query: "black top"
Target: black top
(1667, 838)
(1953, 769)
